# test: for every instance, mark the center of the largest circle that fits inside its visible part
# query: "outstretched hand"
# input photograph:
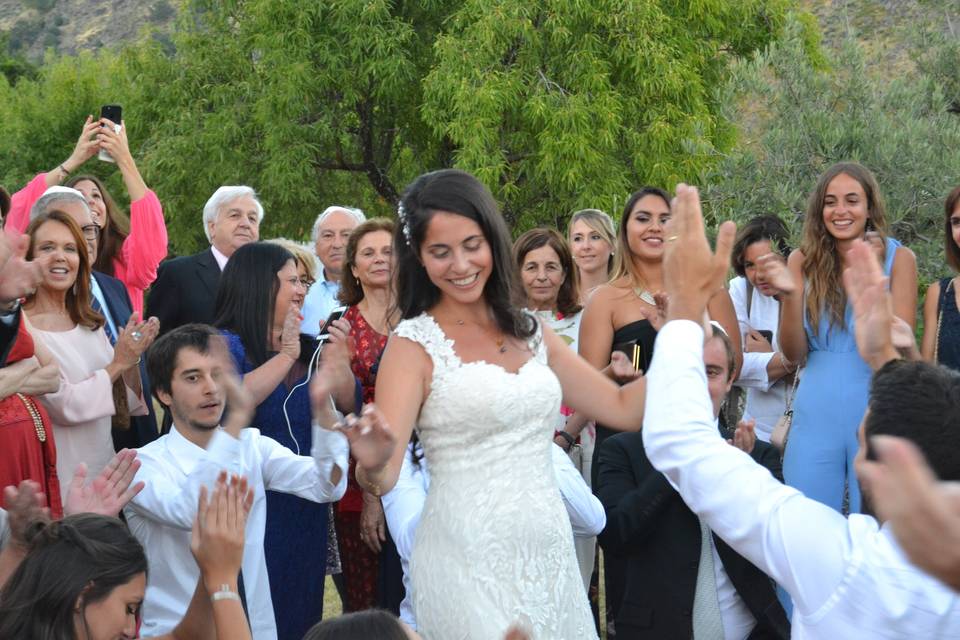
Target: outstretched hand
(239, 401)
(24, 505)
(692, 273)
(372, 442)
(109, 492)
(866, 288)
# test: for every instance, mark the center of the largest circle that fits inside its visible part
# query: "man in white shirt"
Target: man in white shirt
(848, 578)
(192, 376)
(186, 288)
(403, 505)
(331, 230)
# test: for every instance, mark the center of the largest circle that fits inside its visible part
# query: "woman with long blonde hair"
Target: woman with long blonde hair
(816, 326)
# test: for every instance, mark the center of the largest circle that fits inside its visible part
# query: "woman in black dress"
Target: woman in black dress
(941, 317)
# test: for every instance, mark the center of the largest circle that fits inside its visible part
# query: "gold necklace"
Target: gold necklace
(645, 295)
(500, 340)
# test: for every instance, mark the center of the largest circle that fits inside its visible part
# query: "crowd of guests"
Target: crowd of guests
(237, 502)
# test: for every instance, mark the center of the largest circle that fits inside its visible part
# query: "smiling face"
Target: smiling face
(114, 617)
(590, 250)
(374, 259)
(98, 207)
(542, 274)
(456, 257)
(237, 223)
(55, 249)
(845, 211)
(196, 397)
(332, 236)
(290, 291)
(645, 227)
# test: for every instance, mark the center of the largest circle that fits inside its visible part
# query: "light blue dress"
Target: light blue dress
(827, 410)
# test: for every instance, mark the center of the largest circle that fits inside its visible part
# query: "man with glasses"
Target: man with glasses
(109, 298)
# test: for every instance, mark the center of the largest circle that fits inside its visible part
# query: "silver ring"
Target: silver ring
(137, 336)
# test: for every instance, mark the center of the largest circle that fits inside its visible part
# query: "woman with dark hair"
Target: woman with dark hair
(592, 240)
(362, 625)
(130, 248)
(816, 326)
(371, 567)
(481, 380)
(766, 374)
(941, 317)
(258, 311)
(84, 577)
(99, 376)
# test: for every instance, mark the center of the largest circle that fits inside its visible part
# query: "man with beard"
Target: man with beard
(193, 377)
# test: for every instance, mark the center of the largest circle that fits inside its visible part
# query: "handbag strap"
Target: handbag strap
(793, 391)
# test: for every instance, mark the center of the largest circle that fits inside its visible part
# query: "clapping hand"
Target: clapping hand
(217, 537)
(109, 492)
(290, 333)
(866, 288)
(772, 269)
(239, 401)
(692, 272)
(24, 505)
(134, 339)
(18, 277)
(745, 436)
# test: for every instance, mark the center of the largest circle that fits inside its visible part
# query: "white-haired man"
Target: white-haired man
(330, 234)
(186, 288)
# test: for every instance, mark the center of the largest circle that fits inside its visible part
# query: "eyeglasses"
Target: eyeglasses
(90, 231)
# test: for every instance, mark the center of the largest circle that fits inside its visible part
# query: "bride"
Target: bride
(482, 382)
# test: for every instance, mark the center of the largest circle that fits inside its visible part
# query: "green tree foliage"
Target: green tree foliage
(798, 119)
(555, 105)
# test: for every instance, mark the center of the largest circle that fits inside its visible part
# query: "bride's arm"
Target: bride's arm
(402, 384)
(591, 392)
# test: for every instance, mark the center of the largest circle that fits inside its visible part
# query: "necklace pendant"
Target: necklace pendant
(646, 296)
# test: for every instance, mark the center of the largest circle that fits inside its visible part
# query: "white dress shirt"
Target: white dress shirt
(161, 516)
(320, 300)
(403, 504)
(848, 578)
(766, 400)
(219, 257)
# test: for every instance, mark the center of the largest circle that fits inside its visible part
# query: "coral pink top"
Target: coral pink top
(141, 253)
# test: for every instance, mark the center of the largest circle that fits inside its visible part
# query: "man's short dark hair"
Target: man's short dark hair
(162, 355)
(920, 402)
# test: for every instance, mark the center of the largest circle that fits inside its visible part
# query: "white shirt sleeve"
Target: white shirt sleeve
(175, 505)
(403, 505)
(585, 510)
(307, 476)
(803, 545)
(753, 372)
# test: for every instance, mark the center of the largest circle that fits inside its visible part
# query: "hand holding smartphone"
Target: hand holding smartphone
(113, 113)
(336, 314)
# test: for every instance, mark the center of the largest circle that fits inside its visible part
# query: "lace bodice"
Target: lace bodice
(494, 545)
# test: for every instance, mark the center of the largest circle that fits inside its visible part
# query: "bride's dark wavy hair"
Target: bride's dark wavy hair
(456, 192)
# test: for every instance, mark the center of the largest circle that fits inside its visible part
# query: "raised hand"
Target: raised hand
(109, 492)
(756, 343)
(18, 277)
(134, 339)
(867, 291)
(334, 373)
(217, 537)
(692, 272)
(24, 505)
(112, 141)
(924, 513)
(372, 442)
(290, 333)
(239, 401)
(87, 145)
(772, 269)
(745, 436)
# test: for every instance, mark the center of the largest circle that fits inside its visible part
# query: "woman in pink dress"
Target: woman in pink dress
(130, 248)
(98, 379)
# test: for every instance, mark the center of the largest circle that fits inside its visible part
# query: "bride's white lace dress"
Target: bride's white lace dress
(494, 544)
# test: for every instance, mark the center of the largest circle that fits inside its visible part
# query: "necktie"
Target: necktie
(106, 325)
(707, 624)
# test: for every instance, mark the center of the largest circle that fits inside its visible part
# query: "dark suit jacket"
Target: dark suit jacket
(185, 291)
(650, 526)
(143, 429)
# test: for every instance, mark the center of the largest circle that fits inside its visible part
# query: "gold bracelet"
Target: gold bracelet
(363, 481)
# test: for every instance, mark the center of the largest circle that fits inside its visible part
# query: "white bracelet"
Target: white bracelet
(225, 593)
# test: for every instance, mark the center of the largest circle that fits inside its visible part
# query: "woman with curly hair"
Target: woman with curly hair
(816, 326)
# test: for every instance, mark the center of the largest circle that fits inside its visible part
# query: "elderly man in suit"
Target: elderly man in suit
(682, 580)
(110, 298)
(186, 287)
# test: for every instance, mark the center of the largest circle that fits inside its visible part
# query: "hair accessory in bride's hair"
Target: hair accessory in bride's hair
(404, 223)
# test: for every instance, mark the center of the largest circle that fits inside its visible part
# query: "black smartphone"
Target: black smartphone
(308, 346)
(336, 314)
(113, 113)
(766, 333)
